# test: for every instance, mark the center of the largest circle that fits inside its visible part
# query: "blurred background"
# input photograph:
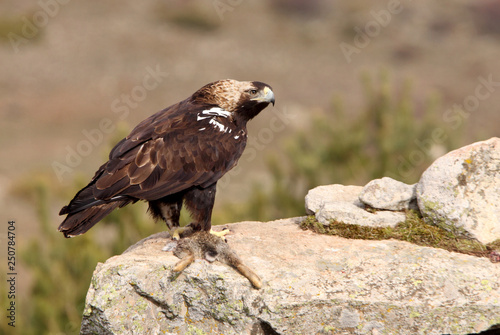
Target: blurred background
(364, 89)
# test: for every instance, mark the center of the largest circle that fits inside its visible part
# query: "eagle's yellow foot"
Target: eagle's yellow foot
(176, 232)
(221, 233)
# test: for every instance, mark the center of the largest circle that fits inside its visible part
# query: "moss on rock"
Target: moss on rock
(414, 230)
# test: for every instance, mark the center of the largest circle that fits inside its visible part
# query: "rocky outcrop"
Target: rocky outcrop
(341, 203)
(460, 191)
(312, 284)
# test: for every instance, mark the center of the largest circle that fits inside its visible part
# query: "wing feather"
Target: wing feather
(140, 174)
(107, 179)
(143, 155)
(152, 179)
(116, 188)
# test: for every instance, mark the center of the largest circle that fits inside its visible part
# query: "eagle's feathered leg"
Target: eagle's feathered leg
(200, 202)
(169, 210)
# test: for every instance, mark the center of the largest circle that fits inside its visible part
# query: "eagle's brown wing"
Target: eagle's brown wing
(169, 162)
(167, 153)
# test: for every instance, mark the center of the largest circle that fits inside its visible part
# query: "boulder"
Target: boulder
(389, 194)
(312, 284)
(460, 191)
(341, 203)
(318, 196)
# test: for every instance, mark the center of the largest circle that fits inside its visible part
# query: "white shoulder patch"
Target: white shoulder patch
(219, 125)
(211, 114)
(214, 111)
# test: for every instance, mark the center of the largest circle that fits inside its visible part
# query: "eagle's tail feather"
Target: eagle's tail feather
(78, 223)
(84, 211)
(82, 200)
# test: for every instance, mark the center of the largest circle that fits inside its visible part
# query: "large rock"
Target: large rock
(461, 191)
(389, 194)
(312, 284)
(341, 203)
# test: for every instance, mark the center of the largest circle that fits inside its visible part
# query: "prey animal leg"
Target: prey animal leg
(184, 262)
(252, 276)
(203, 245)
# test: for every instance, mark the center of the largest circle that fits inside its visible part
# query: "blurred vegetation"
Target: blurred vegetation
(9, 25)
(61, 268)
(391, 136)
(338, 147)
(19, 28)
(188, 16)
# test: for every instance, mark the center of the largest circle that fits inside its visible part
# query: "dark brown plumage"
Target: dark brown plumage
(176, 155)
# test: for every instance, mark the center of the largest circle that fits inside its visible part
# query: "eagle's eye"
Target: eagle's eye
(253, 92)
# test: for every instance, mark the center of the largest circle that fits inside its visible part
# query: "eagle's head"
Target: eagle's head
(243, 99)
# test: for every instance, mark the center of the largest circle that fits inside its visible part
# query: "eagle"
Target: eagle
(173, 158)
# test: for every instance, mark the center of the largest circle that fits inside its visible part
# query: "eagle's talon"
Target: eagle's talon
(180, 232)
(222, 234)
(175, 233)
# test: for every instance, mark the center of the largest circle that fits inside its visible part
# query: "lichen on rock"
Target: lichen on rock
(460, 191)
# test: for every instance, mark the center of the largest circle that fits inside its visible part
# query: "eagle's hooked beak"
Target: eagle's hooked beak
(266, 95)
